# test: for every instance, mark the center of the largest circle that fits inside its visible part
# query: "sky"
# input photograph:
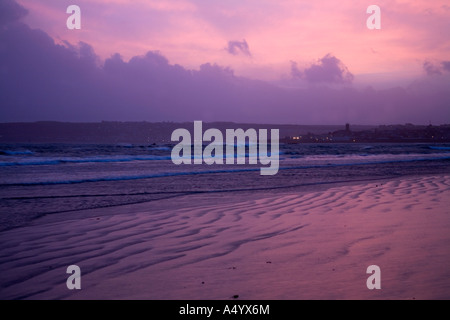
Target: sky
(270, 61)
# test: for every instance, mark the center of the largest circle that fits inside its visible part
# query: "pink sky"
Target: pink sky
(188, 60)
(193, 32)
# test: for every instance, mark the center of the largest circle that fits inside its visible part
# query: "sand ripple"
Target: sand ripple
(283, 246)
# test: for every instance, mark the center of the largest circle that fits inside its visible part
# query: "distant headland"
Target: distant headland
(108, 132)
(381, 134)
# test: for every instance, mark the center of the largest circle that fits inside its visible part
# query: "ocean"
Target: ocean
(44, 179)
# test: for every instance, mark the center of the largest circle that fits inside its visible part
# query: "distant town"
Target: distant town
(384, 133)
(146, 133)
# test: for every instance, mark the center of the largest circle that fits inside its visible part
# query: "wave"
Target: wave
(55, 161)
(125, 178)
(368, 157)
(191, 173)
(439, 148)
(15, 153)
(160, 148)
(125, 145)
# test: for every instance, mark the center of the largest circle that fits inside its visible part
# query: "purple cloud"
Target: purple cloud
(237, 47)
(446, 65)
(431, 69)
(329, 69)
(295, 71)
(11, 11)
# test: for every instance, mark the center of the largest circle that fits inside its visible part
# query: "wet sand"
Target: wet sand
(285, 245)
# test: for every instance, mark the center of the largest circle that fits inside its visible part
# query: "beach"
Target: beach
(255, 245)
(224, 150)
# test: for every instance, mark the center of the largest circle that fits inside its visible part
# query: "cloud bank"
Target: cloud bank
(11, 11)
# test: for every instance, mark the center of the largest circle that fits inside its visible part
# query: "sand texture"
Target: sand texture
(314, 245)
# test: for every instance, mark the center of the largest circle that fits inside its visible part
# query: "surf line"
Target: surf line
(236, 140)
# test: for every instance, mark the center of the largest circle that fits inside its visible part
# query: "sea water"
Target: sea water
(42, 179)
